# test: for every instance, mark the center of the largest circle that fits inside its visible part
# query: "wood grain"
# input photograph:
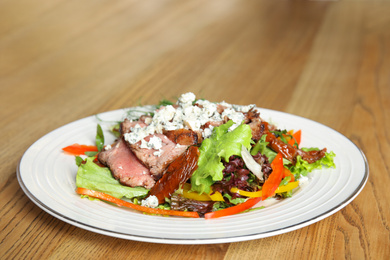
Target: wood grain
(325, 60)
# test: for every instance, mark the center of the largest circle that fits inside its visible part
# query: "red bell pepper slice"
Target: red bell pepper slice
(233, 210)
(79, 149)
(274, 179)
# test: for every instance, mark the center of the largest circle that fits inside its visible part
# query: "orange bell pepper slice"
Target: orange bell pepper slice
(296, 138)
(274, 179)
(119, 202)
(287, 173)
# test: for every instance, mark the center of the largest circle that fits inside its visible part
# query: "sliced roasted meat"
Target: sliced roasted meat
(158, 160)
(258, 127)
(125, 166)
(177, 173)
(126, 125)
(184, 136)
(213, 124)
(251, 115)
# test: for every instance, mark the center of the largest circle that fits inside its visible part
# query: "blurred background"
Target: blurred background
(216, 49)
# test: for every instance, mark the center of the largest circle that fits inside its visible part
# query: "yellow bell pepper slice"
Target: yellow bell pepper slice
(251, 194)
(217, 196)
(255, 194)
(289, 186)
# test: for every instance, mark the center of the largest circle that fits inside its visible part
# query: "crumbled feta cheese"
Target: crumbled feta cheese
(151, 202)
(207, 132)
(144, 144)
(148, 120)
(209, 109)
(185, 115)
(193, 124)
(191, 117)
(192, 111)
(165, 114)
(107, 147)
(186, 99)
(138, 133)
(155, 143)
(223, 103)
(244, 109)
(236, 117)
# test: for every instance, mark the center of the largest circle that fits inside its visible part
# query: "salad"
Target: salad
(194, 158)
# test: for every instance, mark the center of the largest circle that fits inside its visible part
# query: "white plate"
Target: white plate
(47, 176)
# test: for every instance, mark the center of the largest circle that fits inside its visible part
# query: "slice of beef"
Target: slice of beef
(213, 124)
(126, 125)
(157, 161)
(257, 125)
(184, 136)
(257, 128)
(125, 166)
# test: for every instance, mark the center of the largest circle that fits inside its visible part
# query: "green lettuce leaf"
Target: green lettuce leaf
(260, 146)
(302, 167)
(92, 176)
(234, 201)
(221, 145)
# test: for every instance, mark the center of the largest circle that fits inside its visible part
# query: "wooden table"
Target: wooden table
(328, 61)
